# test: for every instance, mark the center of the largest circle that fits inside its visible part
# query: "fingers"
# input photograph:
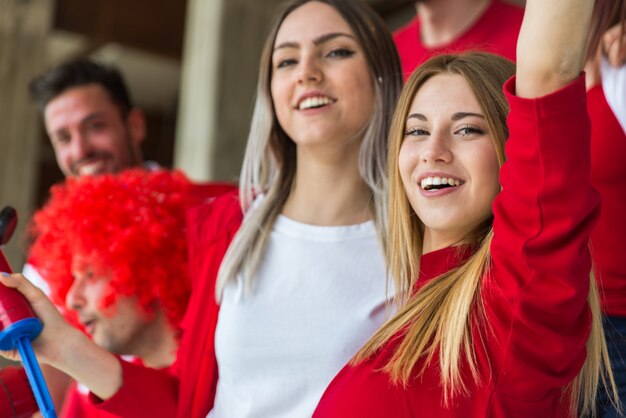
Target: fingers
(18, 282)
(593, 75)
(42, 306)
(614, 46)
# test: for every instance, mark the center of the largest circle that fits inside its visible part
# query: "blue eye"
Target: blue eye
(340, 53)
(286, 63)
(470, 131)
(415, 132)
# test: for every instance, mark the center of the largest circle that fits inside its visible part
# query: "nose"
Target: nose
(79, 147)
(309, 70)
(437, 149)
(75, 298)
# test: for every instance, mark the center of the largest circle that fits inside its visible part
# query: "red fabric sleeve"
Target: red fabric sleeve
(145, 392)
(536, 292)
(608, 175)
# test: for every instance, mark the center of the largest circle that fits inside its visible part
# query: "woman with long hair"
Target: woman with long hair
(606, 103)
(302, 286)
(498, 314)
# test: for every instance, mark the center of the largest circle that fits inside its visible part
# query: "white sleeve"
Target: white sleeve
(35, 278)
(614, 86)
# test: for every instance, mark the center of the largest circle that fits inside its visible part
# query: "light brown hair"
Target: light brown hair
(437, 318)
(269, 165)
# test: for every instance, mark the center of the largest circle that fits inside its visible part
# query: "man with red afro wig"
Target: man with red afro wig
(113, 251)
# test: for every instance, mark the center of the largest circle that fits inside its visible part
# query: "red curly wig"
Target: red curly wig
(130, 226)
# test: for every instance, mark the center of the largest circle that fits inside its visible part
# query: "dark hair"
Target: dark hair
(76, 73)
(606, 14)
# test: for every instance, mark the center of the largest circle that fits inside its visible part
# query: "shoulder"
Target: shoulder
(507, 10)
(215, 218)
(212, 189)
(407, 34)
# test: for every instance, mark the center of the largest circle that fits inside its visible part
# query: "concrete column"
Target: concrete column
(223, 44)
(24, 25)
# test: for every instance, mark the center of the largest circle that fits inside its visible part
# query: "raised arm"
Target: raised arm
(551, 49)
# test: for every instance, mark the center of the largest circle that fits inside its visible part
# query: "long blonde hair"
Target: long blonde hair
(438, 318)
(269, 165)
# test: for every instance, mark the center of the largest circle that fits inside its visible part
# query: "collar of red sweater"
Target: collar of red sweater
(436, 263)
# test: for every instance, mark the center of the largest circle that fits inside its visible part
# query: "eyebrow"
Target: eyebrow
(455, 116)
(462, 115)
(92, 116)
(317, 41)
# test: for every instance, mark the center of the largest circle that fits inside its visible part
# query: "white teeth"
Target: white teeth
(438, 181)
(314, 102)
(91, 169)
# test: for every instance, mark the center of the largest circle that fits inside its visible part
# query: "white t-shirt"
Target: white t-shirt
(318, 296)
(614, 86)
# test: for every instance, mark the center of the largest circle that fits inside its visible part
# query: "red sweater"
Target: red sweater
(495, 31)
(78, 405)
(535, 295)
(189, 391)
(608, 175)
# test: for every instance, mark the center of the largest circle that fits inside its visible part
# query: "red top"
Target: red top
(189, 391)
(77, 405)
(495, 31)
(535, 295)
(608, 175)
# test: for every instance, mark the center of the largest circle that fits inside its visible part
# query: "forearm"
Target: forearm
(88, 364)
(66, 348)
(551, 48)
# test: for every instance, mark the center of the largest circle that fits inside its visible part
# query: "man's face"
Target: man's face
(120, 328)
(89, 134)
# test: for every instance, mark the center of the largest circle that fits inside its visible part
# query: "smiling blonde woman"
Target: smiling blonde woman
(498, 315)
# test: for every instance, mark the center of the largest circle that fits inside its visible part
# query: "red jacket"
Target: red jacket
(608, 175)
(189, 391)
(495, 31)
(535, 293)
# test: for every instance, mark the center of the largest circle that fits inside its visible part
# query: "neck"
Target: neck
(328, 189)
(434, 240)
(159, 345)
(442, 21)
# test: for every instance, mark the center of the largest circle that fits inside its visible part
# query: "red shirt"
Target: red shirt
(495, 31)
(608, 175)
(535, 295)
(78, 405)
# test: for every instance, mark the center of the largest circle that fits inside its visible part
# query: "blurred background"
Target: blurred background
(190, 65)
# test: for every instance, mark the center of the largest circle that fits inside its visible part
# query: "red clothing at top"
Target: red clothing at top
(78, 405)
(608, 175)
(535, 294)
(189, 391)
(495, 31)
